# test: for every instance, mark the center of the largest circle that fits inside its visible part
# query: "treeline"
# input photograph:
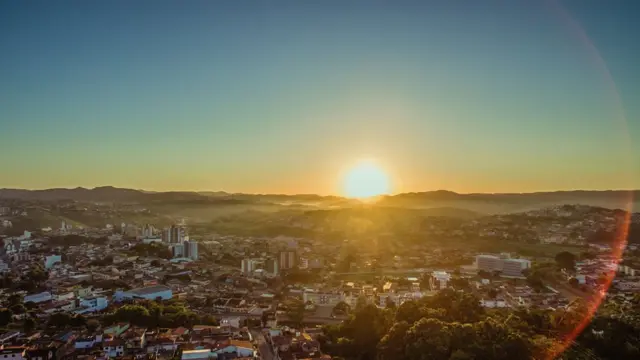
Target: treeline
(452, 325)
(152, 314)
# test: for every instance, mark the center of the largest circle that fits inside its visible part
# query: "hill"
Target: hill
(475, 202)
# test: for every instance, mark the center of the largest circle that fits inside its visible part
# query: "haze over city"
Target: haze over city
(290, 97)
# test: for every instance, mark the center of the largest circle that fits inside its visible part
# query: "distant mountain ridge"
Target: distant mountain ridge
(481, 202)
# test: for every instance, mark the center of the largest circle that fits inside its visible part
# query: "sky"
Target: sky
(286, 96)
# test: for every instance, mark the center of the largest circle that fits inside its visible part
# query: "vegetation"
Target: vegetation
(156, 314)
(452, 325)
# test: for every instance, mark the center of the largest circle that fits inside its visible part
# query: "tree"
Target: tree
(566, 260)
(28, 325)
(92, 325)
(574, 282)
(18, 309)
(389, 303)
(409, 312)
(392, 345)
(295, 312)
(341, 308)
(493, 293)
(60, 320)
(14, 299)
(6, 316)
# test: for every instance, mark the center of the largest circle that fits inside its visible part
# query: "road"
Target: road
(265, 350)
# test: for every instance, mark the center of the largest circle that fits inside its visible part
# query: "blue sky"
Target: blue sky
(283, 96)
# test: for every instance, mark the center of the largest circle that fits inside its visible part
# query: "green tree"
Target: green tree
(566, 260)
(295, 312)
(341, 308)
(60, 320)
(92, 325)
(18, 309)
(6, 316)
(28, 325)
(392, 345)
(408, 311)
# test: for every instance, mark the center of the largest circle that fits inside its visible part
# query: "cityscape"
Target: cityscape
(171, 290)
(319, 180)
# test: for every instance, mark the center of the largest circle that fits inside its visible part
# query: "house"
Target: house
(38, 298)
(117, 329)
(87, 342)
(92, 304)
(135, 339)
(200, 354)
(114, 348)
(149, 293)
(238, 347)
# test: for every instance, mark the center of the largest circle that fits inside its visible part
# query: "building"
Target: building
(51, 260)
(248, 266)
(38, 298)
(288, 259)
(193, 250)
(189, 249)
(506, 265)
(322, 298)
(514, 267)
(148, 231)
(441, 279)
(177, 250)
(92, 304)
(272, 267)
(148, 293)
(174, 235)
(488, 263)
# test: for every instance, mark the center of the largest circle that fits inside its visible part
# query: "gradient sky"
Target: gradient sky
(282, 96)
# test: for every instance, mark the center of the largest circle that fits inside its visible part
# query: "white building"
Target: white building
(148, 231)
(38, 298)
(149, 240)
(174, 235)
(177, 250)
(508, 267)
(442, 277)
(514, 267)
(248, 266)
(51, 260)
(488, 263)
(92, 304)
(193, 250)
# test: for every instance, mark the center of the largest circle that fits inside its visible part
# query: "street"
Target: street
(265, 349)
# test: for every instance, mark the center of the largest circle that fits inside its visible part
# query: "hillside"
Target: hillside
(475, 202)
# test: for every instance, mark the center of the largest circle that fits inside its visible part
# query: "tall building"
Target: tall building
(190, 249)
(193, 250)
(177, 250)
(173, 235)
(514, 267)
(288, 259)
(248, 266)
(271, 266)
(508, 266)
(147, 231)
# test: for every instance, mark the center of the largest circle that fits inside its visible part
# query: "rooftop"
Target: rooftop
(149, 290)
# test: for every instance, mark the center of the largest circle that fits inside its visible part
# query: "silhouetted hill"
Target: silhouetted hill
(476, 202)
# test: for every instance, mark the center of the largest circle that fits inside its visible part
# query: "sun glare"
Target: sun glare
(366, 180)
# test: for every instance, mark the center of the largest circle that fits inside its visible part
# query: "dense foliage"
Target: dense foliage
(452, 325)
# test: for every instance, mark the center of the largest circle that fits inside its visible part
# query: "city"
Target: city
(137, 290)
(319, 180)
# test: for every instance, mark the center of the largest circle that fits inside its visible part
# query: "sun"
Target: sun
(366, 180)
